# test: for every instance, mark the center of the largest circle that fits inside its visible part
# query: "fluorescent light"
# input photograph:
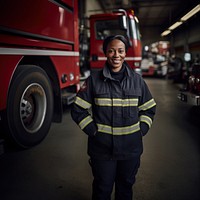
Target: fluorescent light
(175, 25)
(165, 33)
(191, 13)
(183, 19)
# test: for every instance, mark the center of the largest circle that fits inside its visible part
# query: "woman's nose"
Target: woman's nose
(116, 53)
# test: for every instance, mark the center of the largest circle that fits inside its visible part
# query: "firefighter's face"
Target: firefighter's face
(115, 54)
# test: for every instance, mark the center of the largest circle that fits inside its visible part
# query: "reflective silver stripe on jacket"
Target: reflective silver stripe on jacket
(82, 103)
(85, 122)
(116, 102)
(146, 119)
(149, 104)
(125, 130)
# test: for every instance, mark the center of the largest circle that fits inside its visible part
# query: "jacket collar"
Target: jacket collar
(106, 71)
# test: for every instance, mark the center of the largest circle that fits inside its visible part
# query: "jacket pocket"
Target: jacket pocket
(101, 143)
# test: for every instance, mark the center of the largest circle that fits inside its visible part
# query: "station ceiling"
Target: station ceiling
(154, 15)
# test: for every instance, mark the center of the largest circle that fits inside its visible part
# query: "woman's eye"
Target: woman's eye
(121, 51)
(110, 51)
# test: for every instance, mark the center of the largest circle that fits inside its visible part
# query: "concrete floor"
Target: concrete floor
(58, 168)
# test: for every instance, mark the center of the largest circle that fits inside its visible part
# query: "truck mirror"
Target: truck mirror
(123, 22)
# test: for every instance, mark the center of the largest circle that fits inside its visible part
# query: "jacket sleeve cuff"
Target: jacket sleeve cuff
(90, 129)
(144, 128)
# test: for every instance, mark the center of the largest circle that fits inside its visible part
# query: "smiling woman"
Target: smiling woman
(122, 113)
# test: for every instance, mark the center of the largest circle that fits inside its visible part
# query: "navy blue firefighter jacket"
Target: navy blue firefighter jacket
(115, 115)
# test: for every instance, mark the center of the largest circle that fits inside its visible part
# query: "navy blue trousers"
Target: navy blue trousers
(109, 172)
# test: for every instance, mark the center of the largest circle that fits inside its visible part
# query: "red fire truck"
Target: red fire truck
(119, 22)
(39, 66)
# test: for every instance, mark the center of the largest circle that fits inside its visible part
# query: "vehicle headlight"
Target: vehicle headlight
(137, 64)
(197, 80)
(191, 79)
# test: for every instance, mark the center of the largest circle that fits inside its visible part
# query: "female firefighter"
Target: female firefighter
(115, 108)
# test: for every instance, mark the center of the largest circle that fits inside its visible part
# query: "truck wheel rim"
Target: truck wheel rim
(33, 105)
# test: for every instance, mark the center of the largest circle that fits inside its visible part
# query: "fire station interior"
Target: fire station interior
(58, 167)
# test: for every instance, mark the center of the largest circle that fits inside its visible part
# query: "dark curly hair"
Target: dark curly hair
(114, 37)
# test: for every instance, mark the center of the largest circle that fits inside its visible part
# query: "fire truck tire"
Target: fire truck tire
(30, 106)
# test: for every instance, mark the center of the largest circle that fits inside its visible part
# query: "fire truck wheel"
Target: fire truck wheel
(30, 106)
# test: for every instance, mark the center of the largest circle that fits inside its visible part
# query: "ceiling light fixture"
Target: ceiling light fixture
(165, 33)
(175, 25)
(192, 12)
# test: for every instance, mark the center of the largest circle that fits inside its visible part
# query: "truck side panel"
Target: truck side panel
(38, 19)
